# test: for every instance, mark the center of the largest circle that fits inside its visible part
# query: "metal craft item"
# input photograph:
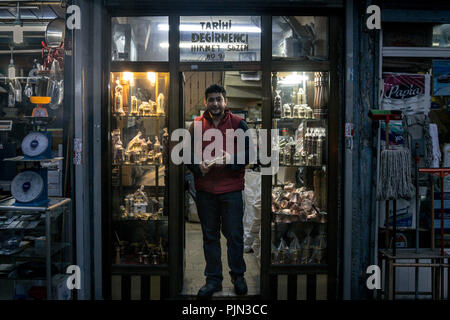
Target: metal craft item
(134, 105)
(160, 104)
(296, 112)
(277, 105)
(295, 256)
(287, 113)
(55, 33)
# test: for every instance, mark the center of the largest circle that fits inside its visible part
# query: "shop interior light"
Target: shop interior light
(151, 76)
(196, 27)
(294, 78)
(128, 76)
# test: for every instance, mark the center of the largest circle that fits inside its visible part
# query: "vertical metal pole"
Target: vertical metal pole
(348, 182)
(266, 205)
(442, 233)
(176, 178)
(442, 213)
(394, 244)
(387, 201)
(81, 71)
(97, 74)
(48, 253)
(433, 236)
(416, 269)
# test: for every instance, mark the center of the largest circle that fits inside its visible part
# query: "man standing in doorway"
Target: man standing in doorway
(219, 196)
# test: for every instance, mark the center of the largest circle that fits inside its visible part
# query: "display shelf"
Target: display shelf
(323, 167)
(403, 229)
(38, 253)
(54, 224)
(147, 188)
(117, 115)
(137, 165)
(8, 204)
(410, 253)
(21, 158)
(298, 119)
(17, 278)
(140, 219)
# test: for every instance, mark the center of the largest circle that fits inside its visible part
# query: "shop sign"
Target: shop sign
(220, 38)
(407, 92)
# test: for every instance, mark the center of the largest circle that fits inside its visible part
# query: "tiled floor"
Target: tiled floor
(195, 266)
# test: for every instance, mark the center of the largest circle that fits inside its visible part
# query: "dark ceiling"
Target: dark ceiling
(34, 15)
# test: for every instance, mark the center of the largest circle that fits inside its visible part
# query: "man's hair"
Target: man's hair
(215, 88)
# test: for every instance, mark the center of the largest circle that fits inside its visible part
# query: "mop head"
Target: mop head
(395, 175)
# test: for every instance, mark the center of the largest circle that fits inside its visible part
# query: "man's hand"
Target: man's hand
(204, 168)
(227, 157)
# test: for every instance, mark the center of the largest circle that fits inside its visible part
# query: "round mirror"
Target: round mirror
(55, 33)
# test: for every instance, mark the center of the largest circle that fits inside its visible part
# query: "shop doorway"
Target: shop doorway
(244, 94)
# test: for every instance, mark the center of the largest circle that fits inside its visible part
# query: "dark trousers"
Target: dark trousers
(216, 212)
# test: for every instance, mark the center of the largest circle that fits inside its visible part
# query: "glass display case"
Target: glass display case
(299, 188)
(35, 248)
(139, 162)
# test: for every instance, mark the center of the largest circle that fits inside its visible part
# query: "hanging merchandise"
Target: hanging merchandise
(11, 96)
(11, 67)
(435, 141)
(17, 90)
(55, 91)
(395, 175)
(28, 91)
(409, 93)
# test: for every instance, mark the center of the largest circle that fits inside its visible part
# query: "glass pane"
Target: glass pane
(140, 38)
(441, 35)
(416, 35)
(139, 109)
(303, 36)
(220, 38)
(299, 188)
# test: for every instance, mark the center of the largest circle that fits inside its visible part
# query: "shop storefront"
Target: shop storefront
(279, 66)
(306, 76)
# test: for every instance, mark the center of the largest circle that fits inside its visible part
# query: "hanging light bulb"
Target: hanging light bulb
(151, 76)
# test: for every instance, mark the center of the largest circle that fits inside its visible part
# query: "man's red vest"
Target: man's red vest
(220, 179)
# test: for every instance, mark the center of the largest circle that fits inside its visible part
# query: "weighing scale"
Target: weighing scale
(30, 187)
